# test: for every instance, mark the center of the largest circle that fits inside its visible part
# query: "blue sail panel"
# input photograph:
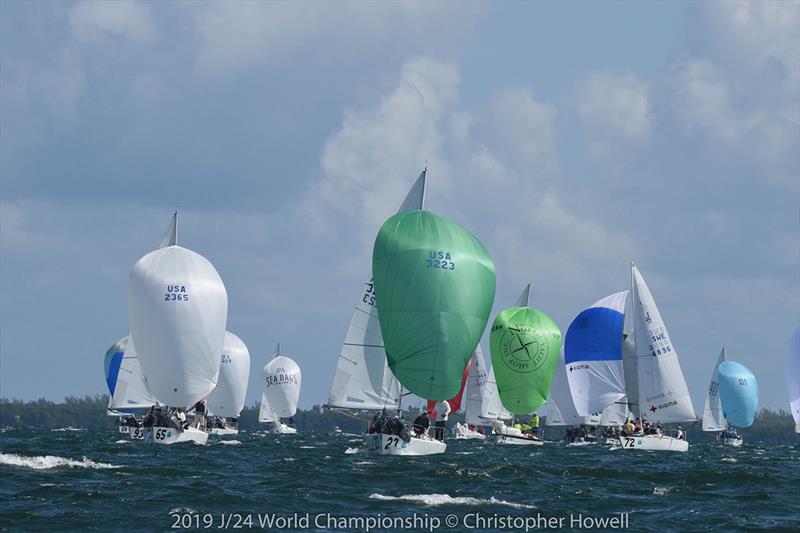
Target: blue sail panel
(112, 364)
(738, 391)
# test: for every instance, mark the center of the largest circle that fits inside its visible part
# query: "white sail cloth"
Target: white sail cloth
(228, 397)
(178, 310)
(363, 379)
(713, 416)
(793, 378)
(475, 390)
(663, 395)
(560, 409)
(593, 355)
(126, 382)
(281, 381)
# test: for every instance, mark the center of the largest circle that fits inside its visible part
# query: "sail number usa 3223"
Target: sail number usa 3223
(176, 293)
(440, 259)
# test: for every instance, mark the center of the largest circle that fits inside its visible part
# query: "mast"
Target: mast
(424, 178)
(633, 383)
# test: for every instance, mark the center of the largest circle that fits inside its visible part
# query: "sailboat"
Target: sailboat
(560, 409)
(738, 393)
(178, 309)
(363, 381)
(713, 415)
(793, 378)
(525, 344)
(128, 393)
(227, 399)
(654, 382)
(281, 379)
(435, 285)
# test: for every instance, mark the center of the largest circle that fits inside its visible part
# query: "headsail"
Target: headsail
(126, 384)
(178, 310)
(593, 355)
(228, 397)
(713, 417)
(738, 391)
(363, 379)
(475, 390)
(435, 283)
(525, 345)
(663, 395)
(560, 410)
(793, 378)
(492, 406)
(281, 380)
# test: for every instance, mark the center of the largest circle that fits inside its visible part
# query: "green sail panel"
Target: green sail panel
(434, 286)
(525, 345)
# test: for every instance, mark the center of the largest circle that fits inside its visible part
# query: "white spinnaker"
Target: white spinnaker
(363, 379)
(793, 378)
(597, 382)
(616, 414)
(560, 409)
(476, 389)
(178, 310)
(663, 394)
(281, 381)
(227, 398)
(713, 417)
(131, 390)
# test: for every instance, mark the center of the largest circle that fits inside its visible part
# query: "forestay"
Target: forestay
(663, 394)
(126, 385)
(363, 379)
(228, 397)
(713, 417)
(593, 355)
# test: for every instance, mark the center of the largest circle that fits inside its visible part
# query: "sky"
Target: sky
(571, 138)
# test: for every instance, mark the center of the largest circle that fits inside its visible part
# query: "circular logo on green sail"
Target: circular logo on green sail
(523, 349)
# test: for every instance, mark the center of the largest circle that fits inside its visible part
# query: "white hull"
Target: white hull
(654, 443)
(124, 429)
(384, 444)
(282, 429)
(518, 440)
(136, 433)
(462, 431)
(733, 442)
(161, 435)
(223, 431)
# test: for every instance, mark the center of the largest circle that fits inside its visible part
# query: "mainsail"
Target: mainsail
(363, 379)
(228, 397)
(793, 378)
(738, 391)
(713, 417)
(492, 406)
(126, 385)
(525, 344)
(662, 392)
(178, 310)
(435, 283)
(593, 355)
(281, 380)
(474, 392)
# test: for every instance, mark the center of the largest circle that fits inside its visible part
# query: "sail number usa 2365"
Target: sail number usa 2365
(176, 293)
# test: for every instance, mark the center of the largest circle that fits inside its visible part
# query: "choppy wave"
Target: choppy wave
(44, 462)
(230, 442)
(433, 500)
(68, 428)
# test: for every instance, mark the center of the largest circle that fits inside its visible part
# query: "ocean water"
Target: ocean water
(73, 479)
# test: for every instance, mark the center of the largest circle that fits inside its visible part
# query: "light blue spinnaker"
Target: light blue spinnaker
(738, 391)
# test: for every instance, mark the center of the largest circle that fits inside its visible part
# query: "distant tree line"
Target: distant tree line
(770, 427)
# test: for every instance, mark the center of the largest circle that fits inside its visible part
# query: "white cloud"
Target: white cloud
(615, 104)
(131, 19)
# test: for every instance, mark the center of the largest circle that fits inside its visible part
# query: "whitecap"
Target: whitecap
(289, 459)
(44, 462)
(730, 460)
(230, 442)
(660, 491)
(69, 428)
(307, 447)
(445, 499)
(122, 441)
(351, 450)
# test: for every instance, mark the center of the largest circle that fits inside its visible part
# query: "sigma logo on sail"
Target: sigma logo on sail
(176, 293)
(654, 408)
(578, 367)
(440, 259)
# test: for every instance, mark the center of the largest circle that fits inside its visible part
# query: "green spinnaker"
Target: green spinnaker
(434, 286)
(525, 344)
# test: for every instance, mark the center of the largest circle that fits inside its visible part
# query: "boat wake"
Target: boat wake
(445, 499)
(230, 442)
(352, 450)
(45, 462)
(70, 428)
